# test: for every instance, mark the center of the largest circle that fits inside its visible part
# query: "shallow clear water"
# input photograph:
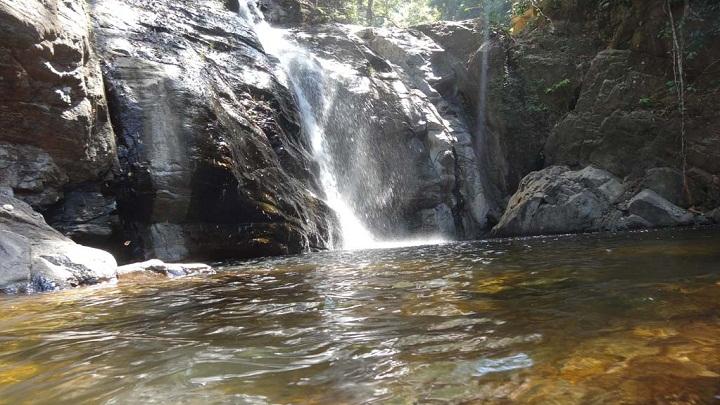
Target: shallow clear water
(579, 319)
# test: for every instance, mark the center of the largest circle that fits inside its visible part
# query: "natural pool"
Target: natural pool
(631, 318)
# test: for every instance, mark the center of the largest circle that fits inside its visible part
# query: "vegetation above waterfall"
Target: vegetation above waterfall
(403, 13)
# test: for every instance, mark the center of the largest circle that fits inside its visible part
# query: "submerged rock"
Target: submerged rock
(166, 269)
(34, 257)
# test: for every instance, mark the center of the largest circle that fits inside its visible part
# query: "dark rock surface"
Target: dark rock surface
(53, 112)
(88, 217)
(291, 12)
(213, 162)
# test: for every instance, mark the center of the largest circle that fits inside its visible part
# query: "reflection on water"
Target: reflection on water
(583, 319)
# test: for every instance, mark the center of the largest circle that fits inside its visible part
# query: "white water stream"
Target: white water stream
(297, 63)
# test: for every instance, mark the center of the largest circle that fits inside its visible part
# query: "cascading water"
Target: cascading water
(306, 77)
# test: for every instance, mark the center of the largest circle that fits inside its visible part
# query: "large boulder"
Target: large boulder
(658, 211)
(214, 164)
(34, 257)
(559, 200)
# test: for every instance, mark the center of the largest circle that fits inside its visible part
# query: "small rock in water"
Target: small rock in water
(487, 366)
(167, 269)
(8, 207)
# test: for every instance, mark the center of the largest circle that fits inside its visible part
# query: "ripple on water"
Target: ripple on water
(584, 319)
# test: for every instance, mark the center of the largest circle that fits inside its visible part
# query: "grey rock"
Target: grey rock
(666, 182)
(86, 216)
(439, 221)
(291, 12)
(658, 211)
(38, 258)
(32, 173)
(559, 200)
(632, 222)
(714, 215)
(15, 262)
(166, 269)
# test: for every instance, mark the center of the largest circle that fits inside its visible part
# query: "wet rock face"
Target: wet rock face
(401, 150)
(213, 161)
(88, 217)
(53, 115)
(35, 257)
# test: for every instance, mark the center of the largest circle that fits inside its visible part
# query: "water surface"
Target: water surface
(600, 319)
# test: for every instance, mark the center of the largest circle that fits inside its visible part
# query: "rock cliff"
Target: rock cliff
(213, 164)
(55, 138)
(591, 83)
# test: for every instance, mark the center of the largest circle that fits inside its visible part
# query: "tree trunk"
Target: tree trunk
(369, 17)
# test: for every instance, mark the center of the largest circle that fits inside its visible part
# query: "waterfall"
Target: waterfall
(311, 81)
(306, 77)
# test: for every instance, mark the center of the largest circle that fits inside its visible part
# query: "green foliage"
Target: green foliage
(534, 105)
(645, 102)
(403, 13)
(562, 84)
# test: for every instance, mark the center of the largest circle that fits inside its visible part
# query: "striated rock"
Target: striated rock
(166, 269)
(35, 257)
(658, 211)
(559, 200)
(55, 131)
(213, 161)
